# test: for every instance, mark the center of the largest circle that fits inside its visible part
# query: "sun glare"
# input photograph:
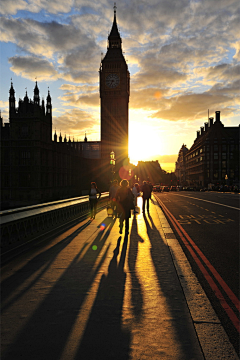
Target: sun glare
(144, 144)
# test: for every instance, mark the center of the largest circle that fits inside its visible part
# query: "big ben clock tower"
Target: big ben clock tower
(114, 94)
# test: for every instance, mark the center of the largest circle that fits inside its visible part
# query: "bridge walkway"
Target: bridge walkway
(91, 293)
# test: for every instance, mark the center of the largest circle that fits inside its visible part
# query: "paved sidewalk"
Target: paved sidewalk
(94, 294)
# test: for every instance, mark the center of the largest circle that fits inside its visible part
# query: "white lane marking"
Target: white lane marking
(231, 207)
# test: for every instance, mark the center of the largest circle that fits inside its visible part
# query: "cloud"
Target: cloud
(75, 123)
(236, 46)
(78, 54)
(225, 72)
(11, 7)
(92, 100)
(31, 67)
(230, 89)
(82, 89)
(184, 53)
(191, 107)
(44, 37)
(147, 99)
(81, 96)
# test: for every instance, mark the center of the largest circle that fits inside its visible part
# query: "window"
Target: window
(215, 156)
(24, 180)
(224, 147)
(224, 164)
(6, 180)
(224, 156)
(24, 131)
(215, 175)
(25, 158)
(215, 148)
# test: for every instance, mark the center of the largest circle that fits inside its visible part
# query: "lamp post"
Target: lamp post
(226, 179)
(112, 163)
(130, 176)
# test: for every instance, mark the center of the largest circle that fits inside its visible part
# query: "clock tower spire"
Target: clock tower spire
(114, 95)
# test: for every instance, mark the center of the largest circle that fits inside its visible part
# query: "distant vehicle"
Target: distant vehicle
(157, 187)
(173, 188)
(165, 188)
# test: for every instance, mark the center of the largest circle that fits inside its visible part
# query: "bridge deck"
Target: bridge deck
(91, 293)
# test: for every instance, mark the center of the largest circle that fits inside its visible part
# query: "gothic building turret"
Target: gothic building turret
(12, 99)
(36, 98)
(49, 104)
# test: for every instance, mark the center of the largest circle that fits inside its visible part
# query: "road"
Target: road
(211, 221)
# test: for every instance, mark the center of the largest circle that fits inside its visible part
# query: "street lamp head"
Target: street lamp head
(112, 155)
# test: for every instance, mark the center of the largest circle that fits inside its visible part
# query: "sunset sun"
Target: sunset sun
(144, 143)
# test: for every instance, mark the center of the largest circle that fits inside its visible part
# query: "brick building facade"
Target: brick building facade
(214, 156)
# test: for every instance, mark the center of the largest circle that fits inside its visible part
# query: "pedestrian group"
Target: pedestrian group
(122, 199)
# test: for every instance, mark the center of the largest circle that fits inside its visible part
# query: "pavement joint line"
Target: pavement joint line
(212, 337)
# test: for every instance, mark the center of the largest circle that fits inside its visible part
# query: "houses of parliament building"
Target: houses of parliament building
(36, 168)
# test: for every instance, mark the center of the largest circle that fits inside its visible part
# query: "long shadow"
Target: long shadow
(104, 338)
(43, 260)
(136, 288)
(47, 330)
(174, 297)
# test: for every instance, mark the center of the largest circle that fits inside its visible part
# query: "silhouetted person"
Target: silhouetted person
(93, 199)
(125, 199)
(151, 188)
(146, 190)
(112, 196)
(136, 193)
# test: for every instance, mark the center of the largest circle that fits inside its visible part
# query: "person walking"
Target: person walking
(112, 196)
(136, 193)
(93, 199)
(146, 190)
(125, 199)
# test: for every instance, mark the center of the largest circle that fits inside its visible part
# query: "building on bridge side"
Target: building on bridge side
(36, 168)
(213, 157)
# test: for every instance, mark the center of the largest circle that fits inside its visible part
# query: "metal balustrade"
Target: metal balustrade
(19, 226)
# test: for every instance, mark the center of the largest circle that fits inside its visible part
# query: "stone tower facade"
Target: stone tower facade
(114, 95)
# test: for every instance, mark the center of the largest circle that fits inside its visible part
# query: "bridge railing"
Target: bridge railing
(19, 226)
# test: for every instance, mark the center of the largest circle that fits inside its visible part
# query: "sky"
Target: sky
(183, 57)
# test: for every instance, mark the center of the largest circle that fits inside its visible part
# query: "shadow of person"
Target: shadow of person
(108, 221)
(56, 313)
(171, 290)
(104, 338)
(41, 261)
(136, 288)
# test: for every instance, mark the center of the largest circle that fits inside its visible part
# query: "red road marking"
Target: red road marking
(188, 242)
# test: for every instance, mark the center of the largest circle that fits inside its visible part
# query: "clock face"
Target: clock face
(112, 80)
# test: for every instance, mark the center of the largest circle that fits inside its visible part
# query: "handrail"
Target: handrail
(10, 215)
(22, 225)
